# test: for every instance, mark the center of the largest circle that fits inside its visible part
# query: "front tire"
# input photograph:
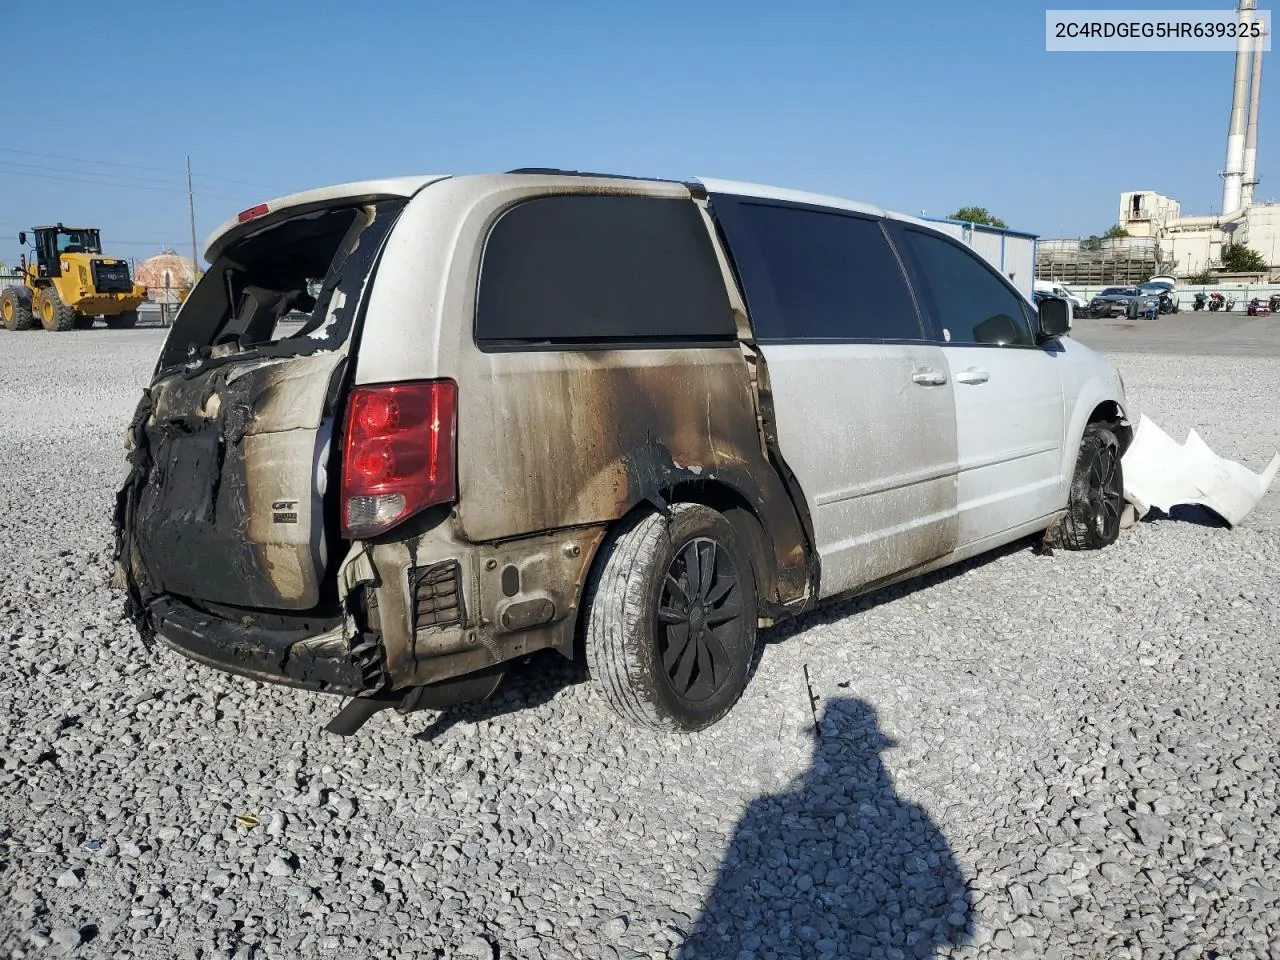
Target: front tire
(671, 626)
(15, 308)
(1097, 494)
(54, 314)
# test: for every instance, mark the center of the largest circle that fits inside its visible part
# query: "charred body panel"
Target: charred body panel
(232, 508)
(558, 435)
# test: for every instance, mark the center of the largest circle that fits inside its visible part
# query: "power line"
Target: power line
(42, 168)
(123, 166)
(103, 163)
(216, 194)
(101, 183)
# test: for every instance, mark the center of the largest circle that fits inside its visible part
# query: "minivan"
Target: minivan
(405, 433)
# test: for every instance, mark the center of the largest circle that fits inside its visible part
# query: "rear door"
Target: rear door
(1010, 422)
(238, 442)
(863, 401)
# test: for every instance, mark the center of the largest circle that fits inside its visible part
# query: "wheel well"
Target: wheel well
(727, 501)
(1109, 412)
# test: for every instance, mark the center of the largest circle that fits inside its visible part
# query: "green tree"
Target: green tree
(1201, 279)
(978, 215)
(1238, 258)
(1115, 232)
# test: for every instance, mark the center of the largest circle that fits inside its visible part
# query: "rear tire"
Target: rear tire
(15, 308)
(671, 624)
(83, 322)
(54, 314)
(123, 321)
(1097, 494)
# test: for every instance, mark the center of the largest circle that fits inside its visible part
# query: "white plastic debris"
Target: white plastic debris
(1162, 473)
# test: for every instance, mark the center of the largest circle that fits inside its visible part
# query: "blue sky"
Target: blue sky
(930, 106)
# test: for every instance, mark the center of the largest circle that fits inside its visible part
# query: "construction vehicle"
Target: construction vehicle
(70, 284)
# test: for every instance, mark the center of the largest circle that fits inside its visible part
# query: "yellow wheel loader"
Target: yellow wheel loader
(70, 284)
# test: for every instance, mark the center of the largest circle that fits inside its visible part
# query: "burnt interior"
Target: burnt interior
(289, 270)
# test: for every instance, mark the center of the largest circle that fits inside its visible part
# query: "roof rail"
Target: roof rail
(694, 186)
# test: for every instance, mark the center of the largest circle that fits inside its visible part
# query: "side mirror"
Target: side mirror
(1054, 318)
(22, 238)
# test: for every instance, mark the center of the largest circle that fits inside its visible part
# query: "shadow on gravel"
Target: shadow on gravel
(525, 686)
(1191, 513)
(838, 866)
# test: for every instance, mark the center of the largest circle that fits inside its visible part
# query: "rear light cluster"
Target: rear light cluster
(399, 454)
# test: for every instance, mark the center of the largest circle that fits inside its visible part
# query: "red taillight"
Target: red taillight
(246, 215)
(398, 454)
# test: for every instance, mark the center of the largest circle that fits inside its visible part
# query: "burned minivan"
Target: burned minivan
(405, 433)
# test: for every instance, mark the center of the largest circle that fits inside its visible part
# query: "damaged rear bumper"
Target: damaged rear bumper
(325, 662)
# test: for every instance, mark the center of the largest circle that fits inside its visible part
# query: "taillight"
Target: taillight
(398, 454)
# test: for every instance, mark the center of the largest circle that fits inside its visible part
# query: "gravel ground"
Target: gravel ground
(1030, 757)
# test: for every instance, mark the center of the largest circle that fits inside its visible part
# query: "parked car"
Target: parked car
(1164, 292)
(628, 420)
(1121, 302)
(1055, 289)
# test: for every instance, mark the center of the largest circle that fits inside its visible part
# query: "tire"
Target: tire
(1097, 494)
(54, 314)
(83, 322)
(123, 321)
(15, 308)
(633, 647)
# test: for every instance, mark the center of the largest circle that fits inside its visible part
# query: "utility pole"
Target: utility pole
(191, 206)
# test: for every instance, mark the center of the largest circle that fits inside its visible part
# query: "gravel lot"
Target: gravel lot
(1071, 756)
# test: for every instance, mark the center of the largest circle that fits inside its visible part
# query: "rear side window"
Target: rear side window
(834, 277)
(584, 269)
(972, 305)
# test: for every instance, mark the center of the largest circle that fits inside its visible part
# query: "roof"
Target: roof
(233, 229)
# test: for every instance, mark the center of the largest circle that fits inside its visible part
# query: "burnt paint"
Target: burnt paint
(577, 438)
(218, 449)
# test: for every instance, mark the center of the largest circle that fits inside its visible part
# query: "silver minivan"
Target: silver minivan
(405, 433)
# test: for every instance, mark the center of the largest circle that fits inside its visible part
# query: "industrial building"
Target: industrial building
(1161, 239)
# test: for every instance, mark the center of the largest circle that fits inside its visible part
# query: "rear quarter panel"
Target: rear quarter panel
(549, 439)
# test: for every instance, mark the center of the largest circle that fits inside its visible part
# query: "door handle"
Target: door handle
(929, 378)
(972, 376)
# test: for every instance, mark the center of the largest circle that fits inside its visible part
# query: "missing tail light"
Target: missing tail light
(398, 455)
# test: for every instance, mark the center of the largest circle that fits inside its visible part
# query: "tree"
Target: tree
(978, 215)
(1115, 232)
(1201, 279)
(1238, 258)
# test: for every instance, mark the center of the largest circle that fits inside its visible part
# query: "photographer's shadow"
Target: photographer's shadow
(838, 866)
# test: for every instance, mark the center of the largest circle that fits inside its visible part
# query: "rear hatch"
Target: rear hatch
(234, 441)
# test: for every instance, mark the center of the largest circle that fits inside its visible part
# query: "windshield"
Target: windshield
(1115, 292)
(78, 241)
(293, 288)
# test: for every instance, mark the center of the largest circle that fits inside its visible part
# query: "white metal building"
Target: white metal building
(1012, 252)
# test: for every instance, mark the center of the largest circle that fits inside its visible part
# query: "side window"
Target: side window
(582, 269)
(971, 303)
(834, 277)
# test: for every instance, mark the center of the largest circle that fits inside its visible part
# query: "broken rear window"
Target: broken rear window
(291, 288)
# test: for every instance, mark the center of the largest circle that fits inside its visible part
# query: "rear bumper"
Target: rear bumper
(323, 662)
